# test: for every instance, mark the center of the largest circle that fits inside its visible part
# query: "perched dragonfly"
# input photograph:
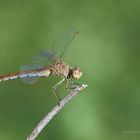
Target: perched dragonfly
(54, 58)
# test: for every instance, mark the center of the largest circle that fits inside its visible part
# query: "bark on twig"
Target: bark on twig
(54, 111)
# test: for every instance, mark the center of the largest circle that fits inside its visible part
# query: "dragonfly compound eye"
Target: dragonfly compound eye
(77, 73)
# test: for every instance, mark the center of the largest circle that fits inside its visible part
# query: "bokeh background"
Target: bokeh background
(107, 49)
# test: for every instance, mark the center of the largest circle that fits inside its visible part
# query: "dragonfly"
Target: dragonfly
(47, 63)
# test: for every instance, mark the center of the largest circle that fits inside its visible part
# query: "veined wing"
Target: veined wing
(59, 48)
(42, 58)
(61, 44)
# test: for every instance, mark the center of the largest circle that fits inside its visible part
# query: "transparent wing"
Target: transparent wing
(59, 48)
(25, 77)
(42, 58)
(61, 44)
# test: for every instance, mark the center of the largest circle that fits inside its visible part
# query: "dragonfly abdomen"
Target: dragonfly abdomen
(43, 73)
(9, 77)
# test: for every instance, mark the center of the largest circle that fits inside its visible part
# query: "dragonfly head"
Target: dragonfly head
(76, 73)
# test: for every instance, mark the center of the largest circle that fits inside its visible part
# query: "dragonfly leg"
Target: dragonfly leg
(55, 87)
(71, 84)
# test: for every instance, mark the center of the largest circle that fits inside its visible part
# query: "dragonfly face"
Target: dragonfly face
(76, 73)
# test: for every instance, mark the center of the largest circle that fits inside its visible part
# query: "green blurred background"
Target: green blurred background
(107, 49)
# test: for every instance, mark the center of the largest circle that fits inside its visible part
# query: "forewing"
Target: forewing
(62, 42)
(59, 48)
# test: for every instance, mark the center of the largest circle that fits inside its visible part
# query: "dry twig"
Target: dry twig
(54, 111)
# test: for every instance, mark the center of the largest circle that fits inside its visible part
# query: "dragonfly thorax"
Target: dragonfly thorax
(60, 69)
